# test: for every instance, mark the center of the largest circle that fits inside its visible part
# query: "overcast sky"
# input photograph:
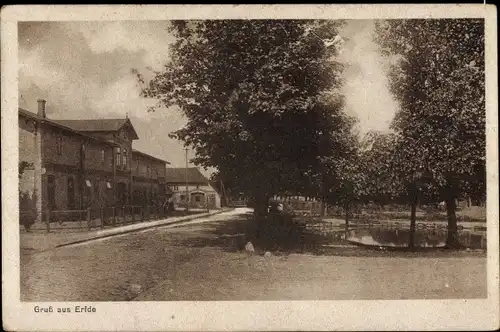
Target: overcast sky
(83, 70)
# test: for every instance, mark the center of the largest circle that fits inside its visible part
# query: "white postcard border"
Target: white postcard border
(248, 315)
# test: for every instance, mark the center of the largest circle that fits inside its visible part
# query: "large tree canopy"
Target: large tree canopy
(261, 98)
(439, 83)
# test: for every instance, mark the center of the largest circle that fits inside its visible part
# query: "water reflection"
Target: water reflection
(473, 239)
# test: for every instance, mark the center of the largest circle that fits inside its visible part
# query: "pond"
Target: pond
(428, 238)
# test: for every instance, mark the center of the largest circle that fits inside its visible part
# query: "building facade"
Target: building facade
(76, 164)
(189, 186)
(148, 179)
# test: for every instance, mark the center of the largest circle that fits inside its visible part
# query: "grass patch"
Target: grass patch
(406, 216)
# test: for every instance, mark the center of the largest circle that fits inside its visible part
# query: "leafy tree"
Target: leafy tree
(344, 177)
(384, 176)
(381, 183)
(438, 80)
(260, 98)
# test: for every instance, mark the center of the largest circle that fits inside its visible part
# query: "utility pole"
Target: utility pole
(186, 179)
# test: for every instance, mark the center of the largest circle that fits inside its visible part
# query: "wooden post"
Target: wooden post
(102, 217)
(89, 218)
(133, 213)
(123, 214)
(114, 216)
(141, 212)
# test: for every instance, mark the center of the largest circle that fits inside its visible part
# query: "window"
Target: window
(147, 170)
(176, 187)
(87, 194)
(118, 157)
(198, 198)
(103, 155)
(183, 197)
(125, 164)
(59, 145)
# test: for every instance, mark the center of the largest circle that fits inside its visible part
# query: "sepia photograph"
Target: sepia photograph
(258, 160)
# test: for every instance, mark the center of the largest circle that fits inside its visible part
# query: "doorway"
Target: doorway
(71, 193)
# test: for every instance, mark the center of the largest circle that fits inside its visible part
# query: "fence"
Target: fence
(93, 218)
(237, 203)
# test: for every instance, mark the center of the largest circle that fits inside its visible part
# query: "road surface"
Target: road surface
(203, 260)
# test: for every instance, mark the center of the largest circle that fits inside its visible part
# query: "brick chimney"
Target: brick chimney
(41, 108)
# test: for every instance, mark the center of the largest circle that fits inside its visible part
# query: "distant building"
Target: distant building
(200, 193)
(75, 164)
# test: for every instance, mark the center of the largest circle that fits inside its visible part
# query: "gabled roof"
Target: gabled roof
(59, 125)
(134, 151)
(98, 125)
(178, 175)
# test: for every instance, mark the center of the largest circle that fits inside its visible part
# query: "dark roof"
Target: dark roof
(97, 125)
(149, 156)
(178, 175)
(60, 126)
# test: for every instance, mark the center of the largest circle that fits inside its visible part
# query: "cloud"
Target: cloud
(149, 38)
(78, 65)
(366, 86)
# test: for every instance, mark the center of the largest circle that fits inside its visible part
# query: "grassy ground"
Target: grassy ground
(470, 214)
(205, 261)
(306, 277)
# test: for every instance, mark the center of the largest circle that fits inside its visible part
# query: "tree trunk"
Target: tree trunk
(261, 204)
(347, 216)
(413, 220)
(452, 239)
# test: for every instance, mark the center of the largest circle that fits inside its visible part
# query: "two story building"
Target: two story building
(75, 164)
